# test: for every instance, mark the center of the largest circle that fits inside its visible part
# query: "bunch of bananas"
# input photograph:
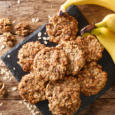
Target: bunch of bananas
(110, 4)
(104, 30)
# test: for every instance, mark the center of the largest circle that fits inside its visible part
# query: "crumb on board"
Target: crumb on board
(39, 34)
(8, 56)
(14, 88)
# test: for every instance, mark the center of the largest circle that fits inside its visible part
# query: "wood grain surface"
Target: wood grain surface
(25, 11)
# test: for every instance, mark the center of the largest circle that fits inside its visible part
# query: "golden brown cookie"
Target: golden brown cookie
(27, 53)
(75, 56)
(32, 88)
(92, 79)
(51, 63)
(63, 96)
(62, 28)
(91, 46)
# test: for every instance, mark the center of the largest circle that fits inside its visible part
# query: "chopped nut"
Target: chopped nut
(9, 39)
(22, 29)
(5, 25)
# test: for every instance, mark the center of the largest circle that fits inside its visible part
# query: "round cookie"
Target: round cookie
(27, 53)
(51, 63)
(92, 79)
(62, 27)
(63, 96)
(32, 88)
(75, 56)
(91, 46)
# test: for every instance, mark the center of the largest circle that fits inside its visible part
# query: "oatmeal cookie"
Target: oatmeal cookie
(9, 39)
(22, 29)
(92, 79)
(5, 25)
(63, 96)
(32, 88)
(75, 56)
(91, 46)
(62, 27)
(27, 53)
(51, 62)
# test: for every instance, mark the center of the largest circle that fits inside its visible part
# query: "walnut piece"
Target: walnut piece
(5, 25)
(22, 29)
(9, 39)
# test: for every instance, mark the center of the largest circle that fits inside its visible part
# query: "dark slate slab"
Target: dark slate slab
(106, 62)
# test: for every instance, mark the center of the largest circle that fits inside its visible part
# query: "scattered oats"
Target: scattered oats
(39, 34)
(35, 20)
(39, 38)
(14, 68)
(8, 56)
(49, 16)
(1, 104)
(20, 102)
(44, 38)
(14, 21)
(14, 88)
(2, 47)
(45, 42)
(18, 1)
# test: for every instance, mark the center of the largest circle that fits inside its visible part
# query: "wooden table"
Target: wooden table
(25, 11)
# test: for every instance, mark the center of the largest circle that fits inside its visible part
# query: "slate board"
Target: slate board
(106, 62)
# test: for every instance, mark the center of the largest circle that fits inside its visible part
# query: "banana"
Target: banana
(107, 39)
(108, 22)
(110, 4)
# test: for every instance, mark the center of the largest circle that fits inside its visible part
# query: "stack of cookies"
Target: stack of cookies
(53, 70)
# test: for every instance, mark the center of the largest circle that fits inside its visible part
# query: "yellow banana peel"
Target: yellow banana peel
(110, 4)
(107, 39)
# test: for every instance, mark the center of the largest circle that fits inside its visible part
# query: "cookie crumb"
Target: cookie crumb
(8, 56)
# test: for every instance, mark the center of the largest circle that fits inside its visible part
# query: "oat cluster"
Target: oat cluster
(59, 74)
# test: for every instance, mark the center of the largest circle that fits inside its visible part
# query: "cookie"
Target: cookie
(62, 28)
(91, 46)
(32, 88)
(51, 63)
(27, 53)
(92, 79)
(75, 56)
(63, 96)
